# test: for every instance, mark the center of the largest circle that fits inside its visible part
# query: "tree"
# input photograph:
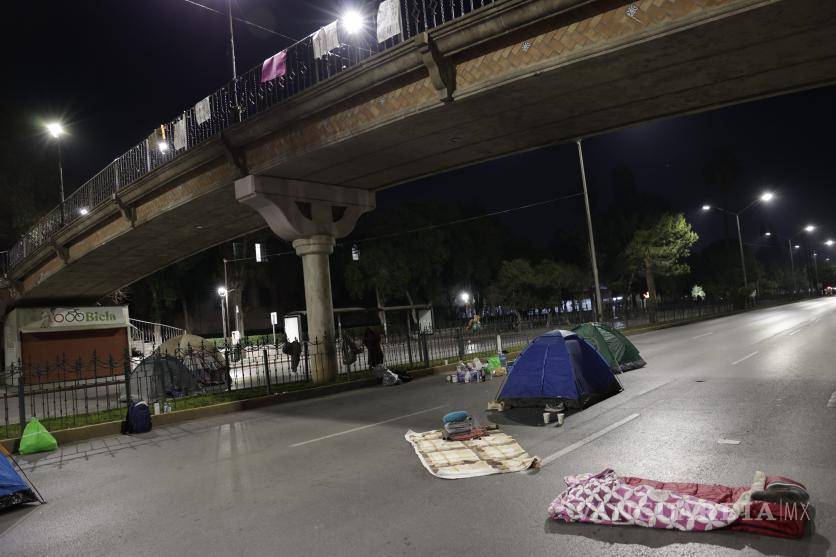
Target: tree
(660, 249)
(514, 286)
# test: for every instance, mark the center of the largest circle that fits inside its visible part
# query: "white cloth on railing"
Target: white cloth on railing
(388, 20)
(180, 138)
(325, 40)
(203, 111)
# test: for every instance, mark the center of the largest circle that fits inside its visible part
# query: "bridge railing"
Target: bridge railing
(235, 102)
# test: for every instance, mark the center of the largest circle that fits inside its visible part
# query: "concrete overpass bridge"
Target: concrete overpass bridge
(305, 154)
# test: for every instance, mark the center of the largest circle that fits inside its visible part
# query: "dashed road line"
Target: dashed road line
(795, 332)
(832, 402)
(362, 427)
(703, 335)
(586, 440)
(746, 357)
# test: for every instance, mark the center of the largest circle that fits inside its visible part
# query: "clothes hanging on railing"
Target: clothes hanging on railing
(180, 140)
(273, 67)
(325, 40)
(203, 111)
(388, 20)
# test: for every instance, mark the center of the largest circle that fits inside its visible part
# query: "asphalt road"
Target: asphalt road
(334, 476)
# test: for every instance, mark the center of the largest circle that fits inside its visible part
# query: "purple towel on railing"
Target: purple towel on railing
(274, 67)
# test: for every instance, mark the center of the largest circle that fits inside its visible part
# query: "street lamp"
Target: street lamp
(56, 130)
(465, 298)
(829, 242)
(809, 228)
(352, 21)
(765, 197)
(224, 294)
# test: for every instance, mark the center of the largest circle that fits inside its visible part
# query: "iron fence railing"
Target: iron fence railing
(235, 102)
(64, 394)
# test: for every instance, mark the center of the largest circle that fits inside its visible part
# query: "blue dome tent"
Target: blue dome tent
(558, 366)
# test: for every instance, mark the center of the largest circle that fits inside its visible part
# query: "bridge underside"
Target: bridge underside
(587, 71)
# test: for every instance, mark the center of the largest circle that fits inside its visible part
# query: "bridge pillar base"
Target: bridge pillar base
(310, 215)
(322, 351)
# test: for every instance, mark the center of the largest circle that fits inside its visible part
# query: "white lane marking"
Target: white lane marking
(728, 441)
(746, 357)
(832, 402)
(795, 332)
(586, 440)
(703, 335)
(362, 427)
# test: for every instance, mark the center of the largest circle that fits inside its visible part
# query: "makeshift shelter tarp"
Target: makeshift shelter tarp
(558, 366)
(199, 355)
(612, 345)
(13, 489)
(157, 377)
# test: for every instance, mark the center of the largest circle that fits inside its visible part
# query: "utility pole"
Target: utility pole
(232, 55)
(598, 302)
(740, 244)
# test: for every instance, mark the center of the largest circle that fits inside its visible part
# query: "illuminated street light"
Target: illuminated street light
(796, 246)
(352, 21)
(83, 211)
(767, 196)
(162, 146)
(465, 297)
(55, 129)
(706, 207)
(809, 228)
(829, 243)
(224, 294)
(768, 234)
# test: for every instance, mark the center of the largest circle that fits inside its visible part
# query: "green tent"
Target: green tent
(621, 354)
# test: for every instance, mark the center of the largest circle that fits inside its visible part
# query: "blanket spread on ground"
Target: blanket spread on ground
(495, 453)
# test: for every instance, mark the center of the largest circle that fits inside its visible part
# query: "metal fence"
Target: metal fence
(64, 394)
(235, 102)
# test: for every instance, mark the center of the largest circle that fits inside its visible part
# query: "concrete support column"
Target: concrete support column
(314, 252)
(312, 216)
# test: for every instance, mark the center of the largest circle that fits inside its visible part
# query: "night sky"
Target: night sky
(114, 69)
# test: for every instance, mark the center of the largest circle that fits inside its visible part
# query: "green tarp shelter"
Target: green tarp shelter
(621, 354)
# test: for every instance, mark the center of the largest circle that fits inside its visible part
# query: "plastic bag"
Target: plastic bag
(36, 439)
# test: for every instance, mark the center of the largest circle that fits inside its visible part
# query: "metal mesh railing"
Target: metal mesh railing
(237, 101)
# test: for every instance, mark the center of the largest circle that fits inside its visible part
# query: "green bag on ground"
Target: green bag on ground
(493, 363)
(36, 439)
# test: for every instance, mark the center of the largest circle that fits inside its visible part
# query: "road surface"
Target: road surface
(334, 476)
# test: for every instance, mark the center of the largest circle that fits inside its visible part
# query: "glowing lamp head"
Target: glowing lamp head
(829, 243)
(352, 21)
(55, 129)
(162, 146)
(766, 197)
(465, 297)
(809, 228)
(83, 211)
(706, 207)
(796, 246)
(221, 291)
(768, 234)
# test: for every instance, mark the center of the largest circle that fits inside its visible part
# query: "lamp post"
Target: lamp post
(598, 301)
(56, 130)
(763, 198)
(224, 294)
